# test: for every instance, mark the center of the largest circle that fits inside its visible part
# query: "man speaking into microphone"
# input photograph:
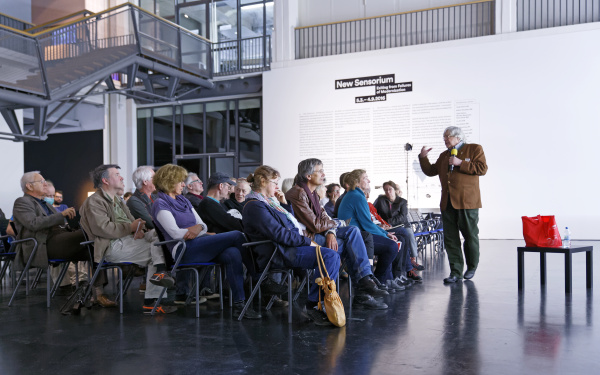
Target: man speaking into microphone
(459, 169)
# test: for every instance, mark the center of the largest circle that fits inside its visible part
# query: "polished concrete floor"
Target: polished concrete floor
(483, 326)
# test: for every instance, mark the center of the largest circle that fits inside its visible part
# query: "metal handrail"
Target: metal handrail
(16, 19)
(85, 12)
(394, 14)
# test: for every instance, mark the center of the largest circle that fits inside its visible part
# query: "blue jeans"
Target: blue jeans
(402, 262)
(351, 249)
(225, 249)
(306, 258)
(386, 251)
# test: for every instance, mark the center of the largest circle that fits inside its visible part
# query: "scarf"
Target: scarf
(313, 197)
(180, 207)
(274, 203)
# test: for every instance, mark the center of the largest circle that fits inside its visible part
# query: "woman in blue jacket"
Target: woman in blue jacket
(267, 216)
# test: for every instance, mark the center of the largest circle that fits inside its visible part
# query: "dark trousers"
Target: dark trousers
(386, 251)
(402, 262)
(463, 222)
(225, 249)
(62, 244)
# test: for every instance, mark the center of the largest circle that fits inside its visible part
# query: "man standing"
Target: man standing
(117, 234)
(459, 173)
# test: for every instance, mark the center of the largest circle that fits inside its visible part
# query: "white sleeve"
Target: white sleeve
(167, 221)
(199, 221)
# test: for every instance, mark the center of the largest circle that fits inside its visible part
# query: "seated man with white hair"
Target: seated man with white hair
(120, 237)
(193, 189)
(140, 203)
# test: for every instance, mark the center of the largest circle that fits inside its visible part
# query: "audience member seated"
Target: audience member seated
(140, 203)
(126, 196)
(287, 184)
(176, 218)
(237, 199)
(333, 193)
(212, 212)
(339, 200)
(121, 237)
(401, 264)
(35, 217)
(321, 191)
(356, 208)
(394, 209)
(334, 234)
(58, 201)
(192, 190)
(267, 216)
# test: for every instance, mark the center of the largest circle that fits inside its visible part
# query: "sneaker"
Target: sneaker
(180, 299)
(161, 309)
(391, 284)
(317, 316)
(402, 280)
(270, 287)
(366, 284)
(208, 293)
(368, 302)
(416, 265)
(250, 313)
(162, 279)
(412, 274)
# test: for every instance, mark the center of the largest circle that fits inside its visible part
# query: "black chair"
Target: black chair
(6, 257)
(199, 270)
(123, 284)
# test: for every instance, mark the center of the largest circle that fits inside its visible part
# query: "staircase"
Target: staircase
(40, 69)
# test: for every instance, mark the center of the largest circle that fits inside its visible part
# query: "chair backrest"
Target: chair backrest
(169, 261)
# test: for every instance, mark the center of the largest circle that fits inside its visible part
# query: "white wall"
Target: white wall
(12, 161)
(18, 9)
(538, 101)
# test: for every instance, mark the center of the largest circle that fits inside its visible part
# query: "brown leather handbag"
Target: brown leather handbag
(334, 308)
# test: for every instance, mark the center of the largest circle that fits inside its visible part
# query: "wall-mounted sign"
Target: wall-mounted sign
(384, 84)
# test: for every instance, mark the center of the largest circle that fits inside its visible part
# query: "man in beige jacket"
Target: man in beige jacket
(120, 237)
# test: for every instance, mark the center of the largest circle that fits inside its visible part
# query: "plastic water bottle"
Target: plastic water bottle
(567, 238)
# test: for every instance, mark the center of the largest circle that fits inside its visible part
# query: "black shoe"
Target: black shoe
(367, 285)
(381, 286)
(250, 313)
(412, 274)
(368, 302)
(65, 290)
(317, 316)
(270, 287)
(451, 279)
(469, 274)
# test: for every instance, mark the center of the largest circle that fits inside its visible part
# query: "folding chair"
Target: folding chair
(6, 257)
(177, 266)
(288, 272)
(105, 265)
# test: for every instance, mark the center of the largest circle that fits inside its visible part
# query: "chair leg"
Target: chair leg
(290, 299)
(254, 291)
(24, 273)
(220, 286)
(120, 273)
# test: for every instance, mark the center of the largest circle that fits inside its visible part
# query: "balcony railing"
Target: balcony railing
(242, 56)
(15, 23)
(460, 21)
(540, 14)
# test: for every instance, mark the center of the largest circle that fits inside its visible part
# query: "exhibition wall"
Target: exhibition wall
(530, 99)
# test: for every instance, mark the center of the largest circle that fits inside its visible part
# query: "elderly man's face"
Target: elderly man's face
(37, 186)
(450, 141)
(50, 191)
(196, 186)
(241, 190)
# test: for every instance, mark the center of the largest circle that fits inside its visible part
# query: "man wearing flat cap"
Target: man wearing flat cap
(212, 212)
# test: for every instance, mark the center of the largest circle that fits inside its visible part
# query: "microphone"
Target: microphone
(453, 152)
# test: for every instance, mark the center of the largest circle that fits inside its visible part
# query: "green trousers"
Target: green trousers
(463, 222)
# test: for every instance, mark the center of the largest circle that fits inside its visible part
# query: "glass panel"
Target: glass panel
(223, 165)
(224, 21)
(249, 125)
(163, 136)
(193, 129)
(216, 127)
(147, 5)
(177, 141)
(232, 127)
(252, 20)
(143, 124)
(165, 9)
(245, 170)
(197, 166)
(195, 19)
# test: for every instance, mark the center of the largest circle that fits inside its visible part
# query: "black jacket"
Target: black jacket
(216, 217)
(395, 213)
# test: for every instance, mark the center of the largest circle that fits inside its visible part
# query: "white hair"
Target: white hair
(27, 178)
(455, 131)
(141, 174)
(190, 177)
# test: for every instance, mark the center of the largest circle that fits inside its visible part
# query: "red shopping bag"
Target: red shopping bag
(541, 231)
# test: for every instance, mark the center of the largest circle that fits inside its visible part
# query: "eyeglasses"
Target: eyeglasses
(40, 181)
(195, 181)
(448, 136)
(321, 171)
(276, 182)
